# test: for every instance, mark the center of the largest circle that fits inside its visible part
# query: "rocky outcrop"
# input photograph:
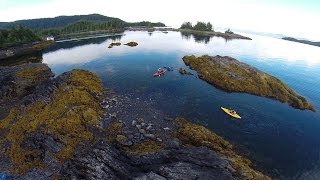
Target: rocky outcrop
(114, 44)
(24, 49)
(213, 33)
(132, 44)
(19, 81)
(105, 162)
(69, 127)
(231, 75)
(52, 119)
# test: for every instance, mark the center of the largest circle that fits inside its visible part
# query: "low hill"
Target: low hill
(64, 21)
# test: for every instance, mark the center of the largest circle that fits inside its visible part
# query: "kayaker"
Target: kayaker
(233, 112)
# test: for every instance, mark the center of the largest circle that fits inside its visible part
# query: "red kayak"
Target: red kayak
(159, 73)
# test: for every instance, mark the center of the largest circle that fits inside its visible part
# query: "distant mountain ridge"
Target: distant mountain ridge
(302, 41)
(64, 21)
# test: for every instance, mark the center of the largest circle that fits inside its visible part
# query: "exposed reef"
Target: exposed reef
(70, 127)
(233, 76)
(132, 44)
(184, 72)
(114, 44)
(24, 49)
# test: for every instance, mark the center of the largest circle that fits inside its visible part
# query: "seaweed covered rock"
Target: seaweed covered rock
(52, 121)
(114, 44)
(24, 49)
(196, 135)
(132, 44)
(19, 81)
(233, 76)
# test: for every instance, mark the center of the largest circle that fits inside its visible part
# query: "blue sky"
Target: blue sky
(297, 18)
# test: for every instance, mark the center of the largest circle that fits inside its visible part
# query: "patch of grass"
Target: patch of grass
(144, 148)
(73, 107)
(42, 45)
(233, 76)
(195, 135)
(32, 73)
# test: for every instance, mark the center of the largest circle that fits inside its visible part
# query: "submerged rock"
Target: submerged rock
(184, 72)
(199, 136)
(233, 76)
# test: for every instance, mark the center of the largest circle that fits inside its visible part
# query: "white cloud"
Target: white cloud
(235, 14)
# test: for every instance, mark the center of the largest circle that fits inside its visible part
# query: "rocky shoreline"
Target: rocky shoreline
(232, 75)
(24, 49)
(213, 33)
(71, 127)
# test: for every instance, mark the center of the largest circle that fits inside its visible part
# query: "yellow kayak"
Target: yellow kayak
(230, 112)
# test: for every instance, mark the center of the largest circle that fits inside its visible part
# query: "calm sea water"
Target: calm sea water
(279, 139)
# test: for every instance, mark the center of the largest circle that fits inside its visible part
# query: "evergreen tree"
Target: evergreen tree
(209, 27)
(186, 25)
(200, 26)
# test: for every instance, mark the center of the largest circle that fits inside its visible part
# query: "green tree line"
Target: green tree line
(17, 36)
(200, 26)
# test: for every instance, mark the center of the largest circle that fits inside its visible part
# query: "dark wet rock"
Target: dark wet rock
(168, 119)
(42, 141)
(173, 144)
(150, 176)
(150, 136)
(142, 131)
(99, 162)
(19, 81)
(232, 75)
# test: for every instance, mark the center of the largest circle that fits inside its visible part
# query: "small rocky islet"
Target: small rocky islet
(231, 75)
(131, 44)
(70, 127)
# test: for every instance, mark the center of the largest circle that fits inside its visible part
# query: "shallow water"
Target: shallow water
(280, 140)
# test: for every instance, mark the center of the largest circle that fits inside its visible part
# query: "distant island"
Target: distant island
(302, 41)
(232, 75)
(202, 28)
